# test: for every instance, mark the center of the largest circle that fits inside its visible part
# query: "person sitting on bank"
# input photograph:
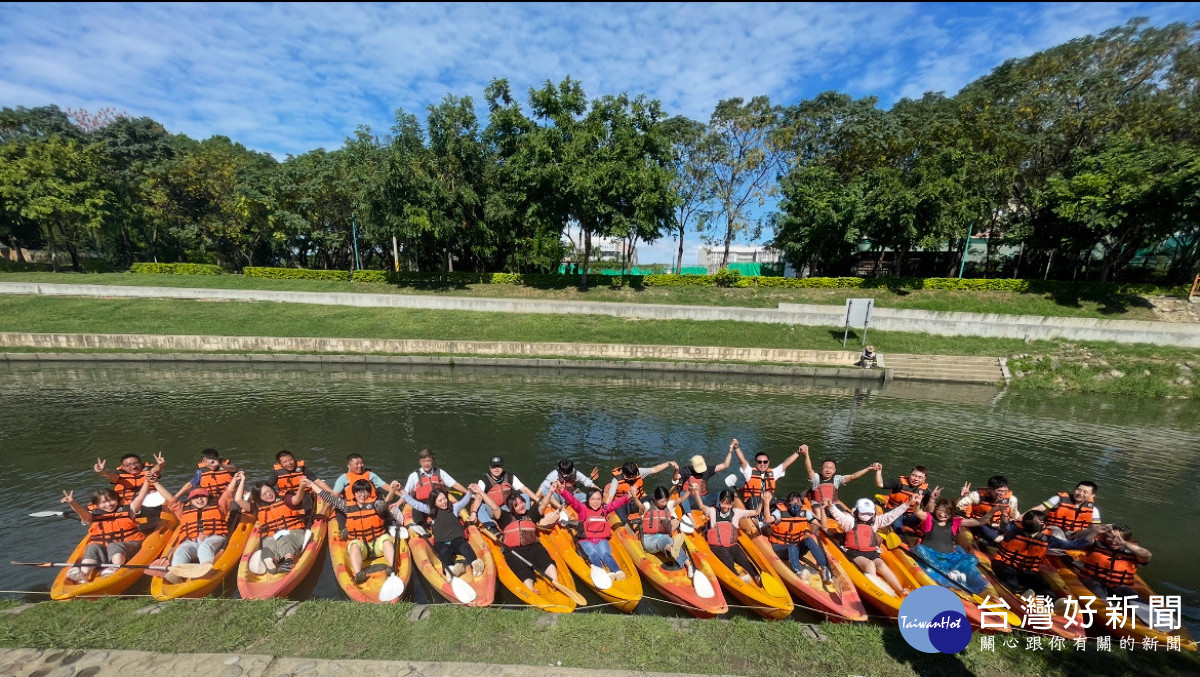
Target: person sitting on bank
(204, 522)
(281, 524)
(826, 484)
(660, 529)
(696, 477)
(868, 358)
(593, 518)
(446, 529)
(631, 477)
(792, 534)
(1109, 565)
(523, 550)
(114, 534)
(363, 522)
(862, 536)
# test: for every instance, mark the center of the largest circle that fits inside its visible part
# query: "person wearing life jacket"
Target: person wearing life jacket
(983, 502)
(363, 522)
(114, 534)
(289, 472)
(499, 484)
(281, 524)
(792, 534)
(214, 475)
(447, 535)
(900, 490)
(356, 470)
(570, 479)
(1017, 559)
(523, 550)
(941, 557)
(760, 478)
(129, 477)
(696, 477)
(862, 536)
(660, 529)
(631, 477)
(593, 520)
(826, 483)
(427, 478)
(1109, 565)
(204, 523)
(1074, 512)
(722, 535)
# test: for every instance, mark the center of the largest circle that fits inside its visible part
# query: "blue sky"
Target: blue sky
(290, 78)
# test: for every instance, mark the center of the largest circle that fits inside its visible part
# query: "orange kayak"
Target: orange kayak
(225, 564)
(123, 578)
(770, 600)
(673, 583)
(544, 595)
(899, 558)
(368, 590)
(838, 600)
(281, 584)
(430, 567)
(1018, 605)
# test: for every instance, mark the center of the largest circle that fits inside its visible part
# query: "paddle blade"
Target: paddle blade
(307, 538)
(600, 578)
(50, 513)
(686, 525)
(462, 590)
(418, 530)
(731, 481)
(772, 586)
(193, 569)
(702, 585)
(256, 565)
(392, 588)
(152, 500)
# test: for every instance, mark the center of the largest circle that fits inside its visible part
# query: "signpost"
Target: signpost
(858, 311)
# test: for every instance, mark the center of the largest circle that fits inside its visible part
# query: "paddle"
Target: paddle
(462, 590)
(189, 570)
(700, 582)
(575, 596)
(601, 578)
(53, 513)
(393, 586)
(153, 500)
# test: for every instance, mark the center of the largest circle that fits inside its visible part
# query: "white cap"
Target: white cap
(865, 506)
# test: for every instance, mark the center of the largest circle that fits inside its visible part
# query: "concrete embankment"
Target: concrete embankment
(1030, 327)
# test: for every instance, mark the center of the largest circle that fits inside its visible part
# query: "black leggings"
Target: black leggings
(446, 549)
(732, 554)
(1016, 580)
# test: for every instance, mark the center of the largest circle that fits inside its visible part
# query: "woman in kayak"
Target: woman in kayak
(593, 517)
(281, 524)
(862, 535)
(113, 531)
(723, 535)
(523, 551)
(447, 535)
(937, 548)
(660, 528)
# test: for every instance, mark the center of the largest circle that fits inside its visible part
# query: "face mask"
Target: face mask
(795, 510)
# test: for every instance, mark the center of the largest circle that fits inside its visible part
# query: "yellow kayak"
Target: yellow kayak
(544, 595)
(770, 600)
(368, 590)
(225, 564)
(123, 578)
(623, 594)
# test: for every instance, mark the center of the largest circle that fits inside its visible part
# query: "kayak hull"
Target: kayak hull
(673, 583)
(544, 596)
(152, 545)
(839, 601)
(623, 594)
(427, 562)
(771, 600)
(368, 591)
(225, 564)
(280, 584)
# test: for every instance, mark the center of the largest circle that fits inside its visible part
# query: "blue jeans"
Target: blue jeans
(199, 551)
(599, 552)
(653, 543)
(794, 551)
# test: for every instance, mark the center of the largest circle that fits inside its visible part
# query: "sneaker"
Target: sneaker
(617, 575)
(671, 566)
(746, 578)
(457, 569)
(361, 577)
(76, 575)
(826, 575)
(477, 567)
(286, 566)
(108, 571)
(957, 576)
(691, 570)
(270, 565)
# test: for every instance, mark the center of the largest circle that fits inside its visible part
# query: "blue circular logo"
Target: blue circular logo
(933, 619)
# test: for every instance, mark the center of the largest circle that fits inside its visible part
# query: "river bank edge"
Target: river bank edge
(596, 641)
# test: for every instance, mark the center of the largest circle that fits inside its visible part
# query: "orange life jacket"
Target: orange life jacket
(1024, 552)
(1068, 515)
(624, 485)
(352, 477)
(862, 536)
(903, 494)
(722, 531)
(113, 527)
(288, 481)
(427, 483)
(208, 520)
(215, 482)
(987, 503)
(1111, 566)
(498, 489)
(789, 529)
(758, 483)
(656, 521)
(279, 516)
(128, 484)
(364, 523)
(823, 491)
(520, 531)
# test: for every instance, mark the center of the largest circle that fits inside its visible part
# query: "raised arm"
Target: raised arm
(106, 474)
(226, 499)
(69, 499)
(742, 463)
(159, 463)
(723, 465)
(794, 457)
(879, 475)
(808, 469)
(864, 471)
(135, 506)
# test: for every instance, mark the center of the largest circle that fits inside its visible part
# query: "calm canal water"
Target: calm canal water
(56, 420)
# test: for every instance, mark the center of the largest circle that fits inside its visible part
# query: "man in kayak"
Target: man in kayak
(983, 502)
(288, 473)
(1017, 560)
(1072, 513)
(127, 479)
(862, 536)
(900, 490)
(570, 479)
(205, 523)
(631, 477)
(761, 478)
(523, 550)
(428, 478)
(113, 531)
(499, 484)
(356, 470)
(696, 478)
(364, 523)
(792, 531)
(1109, 565)
(214, 475)
(826, 484)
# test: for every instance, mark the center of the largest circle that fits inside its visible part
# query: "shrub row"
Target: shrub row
(297, 274)
(175, 269)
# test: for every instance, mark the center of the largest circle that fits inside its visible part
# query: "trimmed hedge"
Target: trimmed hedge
(297, 274)
(175, 269)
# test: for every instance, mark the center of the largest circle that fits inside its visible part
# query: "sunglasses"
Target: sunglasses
(761, 461)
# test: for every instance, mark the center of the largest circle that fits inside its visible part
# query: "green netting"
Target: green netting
(747, 269)
(694, 270)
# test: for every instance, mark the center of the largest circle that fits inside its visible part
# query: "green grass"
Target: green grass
(498, 636)
(1008, 303)
(1085, 367)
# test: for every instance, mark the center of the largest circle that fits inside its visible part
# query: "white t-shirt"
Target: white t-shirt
(516, 484)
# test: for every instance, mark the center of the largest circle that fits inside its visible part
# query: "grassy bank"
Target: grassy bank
(1136, 370)
(1115, 306)
(330, 629)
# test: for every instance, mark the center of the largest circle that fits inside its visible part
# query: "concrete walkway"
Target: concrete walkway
(102, 663)
(1029, 327)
